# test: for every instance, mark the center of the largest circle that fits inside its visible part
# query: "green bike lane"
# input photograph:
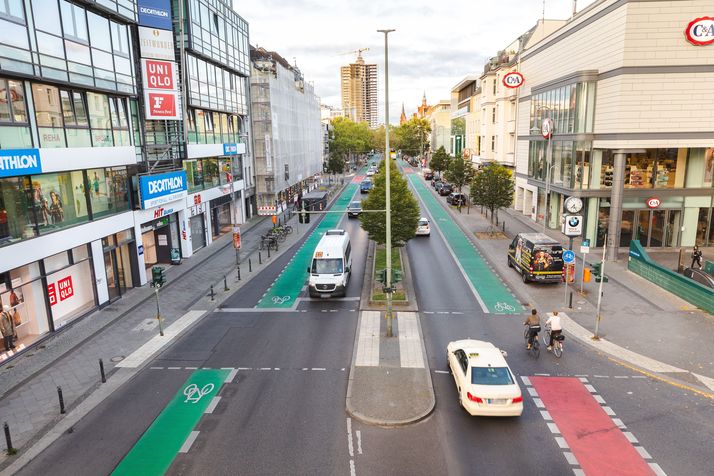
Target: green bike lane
(158, 446)
(283, 293)
(490, 291)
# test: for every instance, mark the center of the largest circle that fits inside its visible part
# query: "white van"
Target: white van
(331, 265)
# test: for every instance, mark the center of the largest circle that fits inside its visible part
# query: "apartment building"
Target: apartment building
(93, 187)
(358, 83)
(439, 117)
(624, 84)
(466, 118)
(289, 137)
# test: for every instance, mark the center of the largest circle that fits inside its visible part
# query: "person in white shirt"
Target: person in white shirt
(555, 327)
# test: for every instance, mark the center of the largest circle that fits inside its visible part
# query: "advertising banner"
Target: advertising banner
(156, 190)
(156, 44)
(162, 105)
(155, 13)
(14, 162)
(159, 74)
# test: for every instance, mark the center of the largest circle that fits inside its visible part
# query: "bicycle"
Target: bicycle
(557, 347)
(268, 241)
(535, 344)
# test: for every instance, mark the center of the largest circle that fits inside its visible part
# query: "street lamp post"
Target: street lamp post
(388, 163)
(547, 132)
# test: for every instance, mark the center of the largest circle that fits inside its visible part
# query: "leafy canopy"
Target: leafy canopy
(459, 172)
(412, 136)
(440, 160)
(492, 187)
(404, 206)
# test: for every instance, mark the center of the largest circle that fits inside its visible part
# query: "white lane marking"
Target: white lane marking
(173, 368)
(428, 312)
(156, 343)
(191, 368)
(542, 375)
(245, 368)
(157, 368)
(276, 368)
(532, 391)
(442, 371)
(599, 399)
(609, 411)
(707, 381)
(658, 471)
(619, 423)
(226, 368)
(457, 312)
(359, 441)
(189, 441)
(601, 376)
(526, 381)
(630, 437)
(350, 446)
(368, 340)
(578, 472)
(538, 402)
(570, 457)
(590, 388)
(562, 443)
(410, 354)
(265, 368)
(622, 376)
(553, 428)
(643, 452)
(212, 406)
(546, 415)
(318, 368)
(352, 468)
(231, 376)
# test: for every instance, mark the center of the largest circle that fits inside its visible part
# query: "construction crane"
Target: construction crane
(358, 51)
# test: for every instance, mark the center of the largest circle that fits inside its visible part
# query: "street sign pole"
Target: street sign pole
(599, 294)
(584, 248)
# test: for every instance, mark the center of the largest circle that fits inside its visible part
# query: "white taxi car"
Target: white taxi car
(485, 383)
(423, 227)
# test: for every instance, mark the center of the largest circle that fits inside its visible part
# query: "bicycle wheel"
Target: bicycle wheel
(557, 348)
(525, 334)
(288, 229)
(535, 350)
(281, 237)
(261, 245)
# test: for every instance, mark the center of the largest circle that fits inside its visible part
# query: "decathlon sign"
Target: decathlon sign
(155, 13)
(513, 80)
(700, 31)
(159, 189)
(14, 162)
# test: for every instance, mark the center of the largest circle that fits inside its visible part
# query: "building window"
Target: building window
(108, 193)
(493, 115)
(493, 143)
(12, 9)
(495, 85)
(14, 126)
(48, 113)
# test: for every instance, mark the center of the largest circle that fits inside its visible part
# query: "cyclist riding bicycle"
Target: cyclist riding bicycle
(556, 328)
(533, 323)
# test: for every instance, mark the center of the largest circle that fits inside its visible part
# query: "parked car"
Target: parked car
(445, 189)
(537, 256)
(435, 180)
(423, 227)
(484, 382)
(438, 185)
(354, 209)
(699, 276)
(428, 174)
(456, 198)
(365, 186)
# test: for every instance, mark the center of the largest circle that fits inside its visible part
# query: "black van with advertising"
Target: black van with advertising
(537, 256)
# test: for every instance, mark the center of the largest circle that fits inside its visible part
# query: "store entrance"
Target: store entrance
(654, 228)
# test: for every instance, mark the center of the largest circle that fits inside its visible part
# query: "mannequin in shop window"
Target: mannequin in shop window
(7, 328)
(56, 210)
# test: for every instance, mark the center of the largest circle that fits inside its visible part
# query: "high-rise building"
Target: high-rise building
(359, 91)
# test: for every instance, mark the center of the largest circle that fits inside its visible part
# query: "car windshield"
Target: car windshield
(355, 204)
(423, 222)
(491, 376)
(327, 266)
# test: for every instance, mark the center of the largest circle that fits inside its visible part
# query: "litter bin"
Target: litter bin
(175, 256)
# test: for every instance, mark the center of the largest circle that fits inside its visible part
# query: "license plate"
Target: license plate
(497, 401)
(324, 296)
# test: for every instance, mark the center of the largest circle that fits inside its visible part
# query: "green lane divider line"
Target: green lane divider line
(286, 289)
(490, 291)
(158, 446)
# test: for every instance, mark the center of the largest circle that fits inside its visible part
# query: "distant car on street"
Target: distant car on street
(445, 189)
(365, 186)
(428, 174)
(485, 384)
(423, 227)
(354, 209)
(699, 276)
(456, 198)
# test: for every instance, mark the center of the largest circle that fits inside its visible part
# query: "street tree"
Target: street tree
(348, 138)
(411, 137)
(459, 172)
(440, 160)
(335, 164)
(492, 187)
(404, 206)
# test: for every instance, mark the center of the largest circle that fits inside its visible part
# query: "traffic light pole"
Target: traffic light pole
(158, 311)
(599, 294)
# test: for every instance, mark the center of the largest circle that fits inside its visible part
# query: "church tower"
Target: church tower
(403, 117)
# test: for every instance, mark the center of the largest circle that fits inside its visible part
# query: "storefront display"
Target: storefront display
(198, 232)
(119, 259)
(221, 216)
(159, 238)
(70, 292)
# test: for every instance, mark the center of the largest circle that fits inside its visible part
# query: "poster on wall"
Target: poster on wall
(162, 105)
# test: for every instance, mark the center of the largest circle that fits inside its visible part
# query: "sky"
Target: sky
(435, 45)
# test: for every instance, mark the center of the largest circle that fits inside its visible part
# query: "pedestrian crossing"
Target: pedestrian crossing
(372, 351)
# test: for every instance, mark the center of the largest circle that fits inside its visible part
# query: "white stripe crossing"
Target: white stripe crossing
(410, 354)
(368, 341)
(212, 406)
(231, 376)
(156, 343)
(189, 441)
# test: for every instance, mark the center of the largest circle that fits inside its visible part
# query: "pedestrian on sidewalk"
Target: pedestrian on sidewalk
(696, 257)
(7, 328)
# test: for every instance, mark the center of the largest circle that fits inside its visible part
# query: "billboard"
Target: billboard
(155, 13)
(156, 44)
(163, 188)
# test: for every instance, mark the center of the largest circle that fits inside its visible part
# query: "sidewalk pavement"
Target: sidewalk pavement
(638, 317)
(70, 359)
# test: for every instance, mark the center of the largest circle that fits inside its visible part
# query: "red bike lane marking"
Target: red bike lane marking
(595, 440)
(358, 178)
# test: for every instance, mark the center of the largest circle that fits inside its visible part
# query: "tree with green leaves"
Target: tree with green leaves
(348, 137)
(411, 137)
(405, 209)
(440, 160)
(335, 164)
(493, 187)
(459, 172)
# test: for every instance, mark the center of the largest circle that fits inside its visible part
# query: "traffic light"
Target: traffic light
(158, 278)
(396, 276)
(382, 276)
(597, 271)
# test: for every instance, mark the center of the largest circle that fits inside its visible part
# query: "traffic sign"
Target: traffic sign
(573, 225)
(568, 256)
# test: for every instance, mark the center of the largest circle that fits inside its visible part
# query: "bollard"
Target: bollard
(8, 440)
(250, 266)
(213, 295)
(276, 245)
(570, 303)
(260, 257)
(101, 371)
(225, 283)
(280, 222)
(504, 225)
(61, 400)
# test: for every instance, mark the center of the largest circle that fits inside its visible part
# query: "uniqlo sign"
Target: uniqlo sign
(162, 105)
(61, 290)
(159, 74)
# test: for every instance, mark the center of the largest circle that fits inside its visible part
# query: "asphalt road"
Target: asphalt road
(284, 412)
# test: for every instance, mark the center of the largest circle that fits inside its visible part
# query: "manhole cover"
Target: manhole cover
(118, 358)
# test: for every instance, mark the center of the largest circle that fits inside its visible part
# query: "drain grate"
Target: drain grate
(118, 358)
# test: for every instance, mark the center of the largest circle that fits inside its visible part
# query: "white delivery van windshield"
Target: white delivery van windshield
(327, 266)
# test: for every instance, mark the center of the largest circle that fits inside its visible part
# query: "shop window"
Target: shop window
(48, 112)
(210, 136)
(120, 121)
(75, 119)
(194, 175)
(59, 200)
(191, 122)
(100, 120)
(201, 126)
(211, 173)
(108, 192)
(582, 166)
(567, 164)
(708, 167)
(14, 127)
(607, 169)
(80, 253)
(55, 262)
(666, 172)
(70, 292)
(602, 224)
(16, 215)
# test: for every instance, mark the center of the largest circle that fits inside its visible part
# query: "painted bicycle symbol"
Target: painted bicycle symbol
(280, 300)
(503, 307)
(195, 394)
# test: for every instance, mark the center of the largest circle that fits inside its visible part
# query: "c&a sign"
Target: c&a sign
(156, 190)
(700, 31)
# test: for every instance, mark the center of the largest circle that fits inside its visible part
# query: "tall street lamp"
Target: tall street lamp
(546, 130)
(388, 163)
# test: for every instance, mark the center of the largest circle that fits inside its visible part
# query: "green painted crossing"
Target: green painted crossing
(488, 288)
(286, 289)
(159, 445)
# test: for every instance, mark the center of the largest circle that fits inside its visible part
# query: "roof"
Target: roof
(481, 351)
(540, 239)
